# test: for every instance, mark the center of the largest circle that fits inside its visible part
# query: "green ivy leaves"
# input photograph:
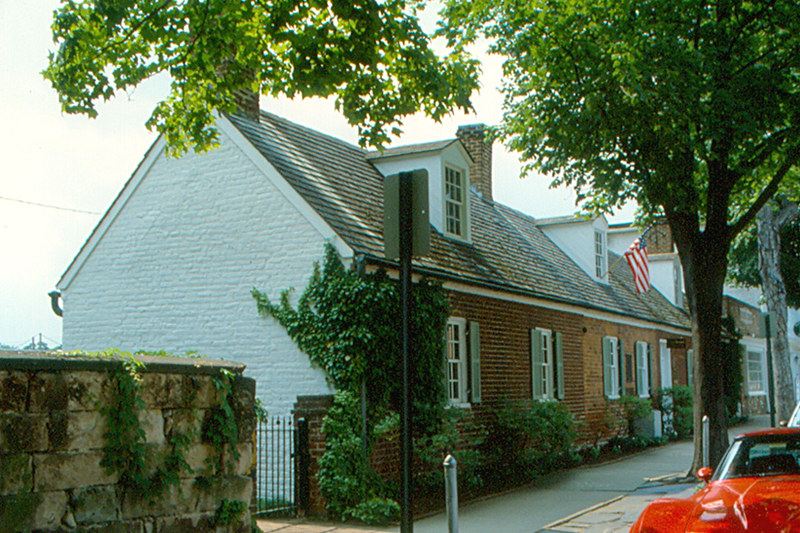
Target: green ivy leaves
(348, 325)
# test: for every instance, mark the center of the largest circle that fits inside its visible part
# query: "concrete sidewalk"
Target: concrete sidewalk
(603, 498)
(618, 514)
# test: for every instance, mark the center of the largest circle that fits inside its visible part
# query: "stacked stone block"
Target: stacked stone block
(52, 440)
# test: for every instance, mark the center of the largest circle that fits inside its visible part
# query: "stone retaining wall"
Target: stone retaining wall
(53, 426)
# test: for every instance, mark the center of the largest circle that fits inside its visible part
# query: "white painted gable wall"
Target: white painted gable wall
(175, 268)
(576, 239)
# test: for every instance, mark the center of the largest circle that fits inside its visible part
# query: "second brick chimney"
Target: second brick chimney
(479, 148)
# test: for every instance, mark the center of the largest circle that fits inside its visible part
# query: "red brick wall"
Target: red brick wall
(505, 354)
(313, 409)
(506, 371)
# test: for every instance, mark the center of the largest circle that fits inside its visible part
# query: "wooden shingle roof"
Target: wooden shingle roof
(508, 251)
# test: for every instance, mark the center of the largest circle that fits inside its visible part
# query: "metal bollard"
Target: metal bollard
(451, 492)
(706, 444)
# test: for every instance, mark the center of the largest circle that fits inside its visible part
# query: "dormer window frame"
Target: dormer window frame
(600, 254)
(463, 204)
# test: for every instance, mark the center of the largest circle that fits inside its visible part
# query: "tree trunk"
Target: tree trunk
(774, 290)
(704, 266)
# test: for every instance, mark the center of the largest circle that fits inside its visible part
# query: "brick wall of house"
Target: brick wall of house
(505, 354)
(506, 371)
(313, 409)
(174, 271)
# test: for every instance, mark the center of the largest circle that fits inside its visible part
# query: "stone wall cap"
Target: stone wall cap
(58, 360)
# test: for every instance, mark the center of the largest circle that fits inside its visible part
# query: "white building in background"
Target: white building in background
(666, 275)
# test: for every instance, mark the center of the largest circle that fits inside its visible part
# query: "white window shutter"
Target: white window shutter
(475, 361)
(558, 352)
(607, 367)
(536, 364)
(641, 377)
(622, 371)
(445, 370)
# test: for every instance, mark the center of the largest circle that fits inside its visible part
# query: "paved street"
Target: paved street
(595, 499)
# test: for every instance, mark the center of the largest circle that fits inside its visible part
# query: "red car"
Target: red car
(756, 489)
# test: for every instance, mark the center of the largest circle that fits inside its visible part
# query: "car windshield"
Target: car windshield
(762, 455)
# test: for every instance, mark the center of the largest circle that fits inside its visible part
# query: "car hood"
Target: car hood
(766, 504)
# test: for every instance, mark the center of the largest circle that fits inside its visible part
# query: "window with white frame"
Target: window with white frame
(456, 361)
(600, 256)
(612, 367)
(643, 369)
(547, 365)
(455, 202)
(543, 385)
(755, 372)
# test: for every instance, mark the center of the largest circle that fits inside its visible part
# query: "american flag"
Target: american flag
(636, 255)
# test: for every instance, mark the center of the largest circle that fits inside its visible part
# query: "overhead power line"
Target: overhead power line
(51, 206)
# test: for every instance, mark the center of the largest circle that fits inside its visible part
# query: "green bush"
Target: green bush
(633, 408)
(375, 511)
(431, 451)
(229, 511)
(680, 408)
(529, 438)
(343, 473)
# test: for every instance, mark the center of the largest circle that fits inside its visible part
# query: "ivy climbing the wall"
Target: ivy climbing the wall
(348, 325)
(126, 448)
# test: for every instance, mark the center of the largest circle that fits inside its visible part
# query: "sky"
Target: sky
(60, 173)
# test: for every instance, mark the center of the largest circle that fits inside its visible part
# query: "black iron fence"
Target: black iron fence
(281, 466)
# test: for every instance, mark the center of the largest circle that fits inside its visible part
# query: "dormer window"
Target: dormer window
(600, 255)
(455, 202)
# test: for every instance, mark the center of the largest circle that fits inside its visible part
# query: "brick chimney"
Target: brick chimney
(245, 98)
(246, 103)
(473, 137)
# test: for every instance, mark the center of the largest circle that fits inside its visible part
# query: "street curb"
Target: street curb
(582, 512)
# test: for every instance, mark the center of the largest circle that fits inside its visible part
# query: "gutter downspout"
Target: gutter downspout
(54, 296)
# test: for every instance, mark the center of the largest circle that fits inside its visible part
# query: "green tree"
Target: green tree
(373, 56)
(687, 107)
(743, 269)
(762, 257)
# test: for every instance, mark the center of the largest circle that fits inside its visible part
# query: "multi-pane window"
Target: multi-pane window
(454, 201)
(546, 362)
(611, 367)
(755, 374)
(599, 254)
(547, 365)
(642, 369)
(456, 361)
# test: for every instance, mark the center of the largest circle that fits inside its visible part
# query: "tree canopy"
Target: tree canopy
(743, 268)
(689, 107)
(632, 100)
(373, 56)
